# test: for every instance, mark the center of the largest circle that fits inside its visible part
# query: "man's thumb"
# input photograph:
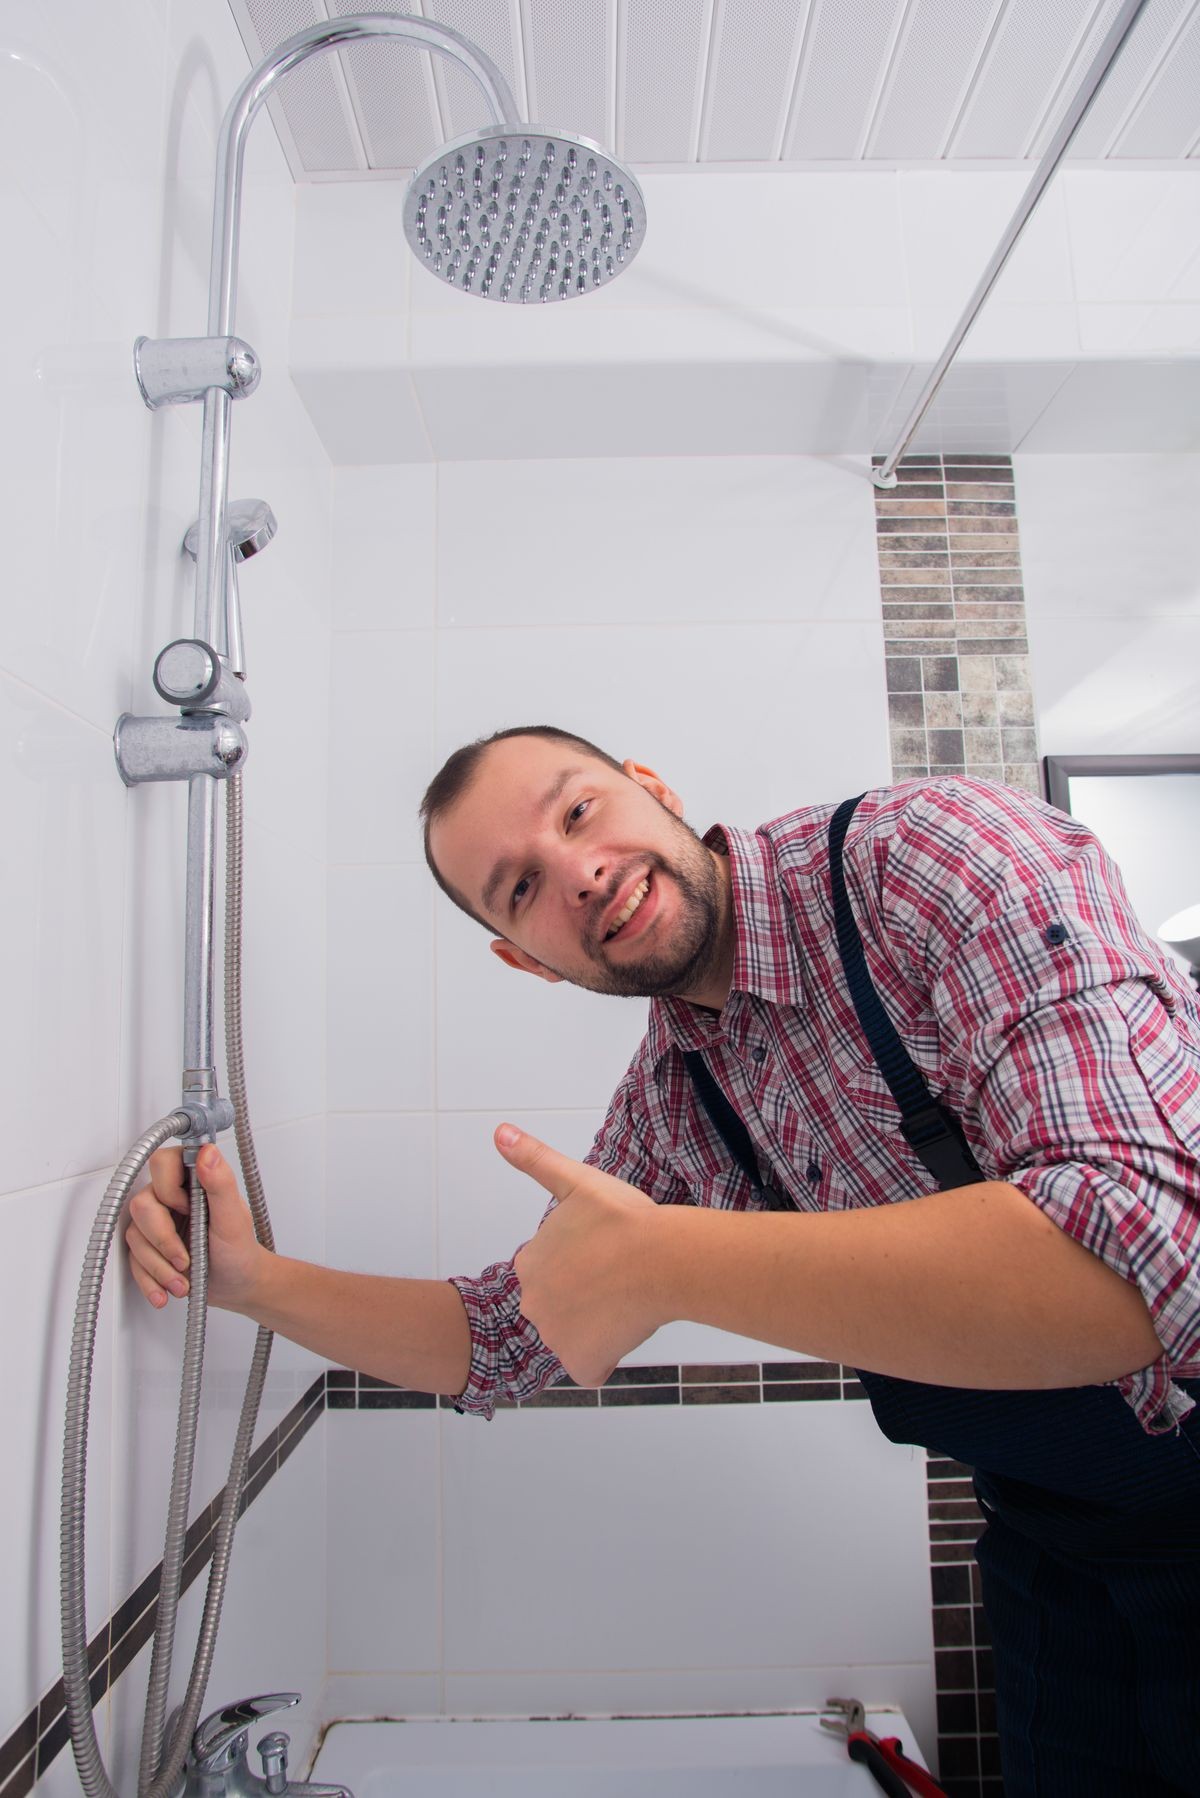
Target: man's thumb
(557, 1173)
(216, 1176)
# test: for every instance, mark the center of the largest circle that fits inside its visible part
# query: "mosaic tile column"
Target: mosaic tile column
(960, 701)
(959, 693)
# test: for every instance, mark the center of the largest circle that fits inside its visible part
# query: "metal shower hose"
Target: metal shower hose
(162, 1762)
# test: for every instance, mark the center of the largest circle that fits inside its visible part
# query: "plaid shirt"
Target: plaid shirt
(1001, 940)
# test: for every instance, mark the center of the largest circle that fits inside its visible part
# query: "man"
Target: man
(1041, 1324)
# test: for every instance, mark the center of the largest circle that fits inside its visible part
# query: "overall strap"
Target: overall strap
(933, 1133)
(730, 1128)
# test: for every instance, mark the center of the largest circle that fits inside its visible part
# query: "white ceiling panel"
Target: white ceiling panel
(750, 78)
(392, 93)
(936, 56)
(1160, 126)
(750, 82)
(569, 53)
(661, 60)
(845, 50)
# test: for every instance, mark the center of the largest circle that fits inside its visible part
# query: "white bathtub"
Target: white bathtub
(763, 1756)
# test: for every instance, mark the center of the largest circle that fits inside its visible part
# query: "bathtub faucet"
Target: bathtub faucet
(218, 1765)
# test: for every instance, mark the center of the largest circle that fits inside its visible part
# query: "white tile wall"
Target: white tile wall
(108, 123)
(720, 620)
(1112, 596)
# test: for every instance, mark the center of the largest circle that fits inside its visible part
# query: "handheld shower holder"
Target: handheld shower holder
(174, 371)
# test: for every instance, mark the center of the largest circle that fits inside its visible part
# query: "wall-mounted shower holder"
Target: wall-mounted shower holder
(177, 748)
(173, 371)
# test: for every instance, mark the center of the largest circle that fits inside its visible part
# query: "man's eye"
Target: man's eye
(520, 890)
(577, 811)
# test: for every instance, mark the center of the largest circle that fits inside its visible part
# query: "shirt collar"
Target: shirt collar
(766, 960)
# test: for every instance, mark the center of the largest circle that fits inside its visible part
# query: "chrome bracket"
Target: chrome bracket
(177, 748)
(171, 371)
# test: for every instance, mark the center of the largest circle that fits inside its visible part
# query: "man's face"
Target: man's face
(587, 874)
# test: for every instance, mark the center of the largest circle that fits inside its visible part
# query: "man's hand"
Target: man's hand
(157, 1254)
(588, 1278)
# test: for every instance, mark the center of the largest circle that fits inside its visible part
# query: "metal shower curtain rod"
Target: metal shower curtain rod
(1089, 87)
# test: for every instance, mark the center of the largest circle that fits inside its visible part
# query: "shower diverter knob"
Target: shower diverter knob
(187, 672)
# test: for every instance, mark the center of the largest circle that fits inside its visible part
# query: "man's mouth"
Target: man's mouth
(628, 910)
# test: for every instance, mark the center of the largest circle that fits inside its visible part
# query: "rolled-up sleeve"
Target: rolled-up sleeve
(509, 1360)
(1077, 1048)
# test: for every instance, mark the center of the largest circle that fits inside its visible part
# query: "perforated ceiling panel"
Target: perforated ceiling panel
(391, 91)
(930, 75)
(750, 81)
(877, 82)
(1161, 126)
(660, 79)
(843, 56)
(312, 100)
(488, 23)
(568, 56)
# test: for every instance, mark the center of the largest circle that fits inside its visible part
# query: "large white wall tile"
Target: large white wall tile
(384, 530)
(953, 220)
(43, 1236)
(1132, 232)
(641, 541)
(680, 1504)
(381, 1211)
(384, 1604)
(1109, 536)
(1118, 687)
(380, 989)
(61, 960)
(381, 754)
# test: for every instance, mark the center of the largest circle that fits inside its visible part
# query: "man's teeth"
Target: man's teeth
(631, 904)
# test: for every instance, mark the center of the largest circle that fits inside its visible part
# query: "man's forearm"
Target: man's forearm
(972, 1288)
(410, 1332)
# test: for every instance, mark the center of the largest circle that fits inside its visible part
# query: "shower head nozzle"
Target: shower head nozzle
(524, 214)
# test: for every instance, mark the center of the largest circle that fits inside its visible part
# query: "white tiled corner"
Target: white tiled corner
(1121, 686)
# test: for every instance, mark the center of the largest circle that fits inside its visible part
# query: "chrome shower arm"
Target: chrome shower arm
(257, 87)
(227, 207)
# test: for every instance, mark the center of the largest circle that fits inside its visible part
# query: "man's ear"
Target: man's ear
(512, 957)
(646, 777)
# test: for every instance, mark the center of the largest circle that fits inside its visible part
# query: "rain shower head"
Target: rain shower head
(523, 213)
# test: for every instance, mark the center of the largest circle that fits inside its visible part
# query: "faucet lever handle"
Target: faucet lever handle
(273, 1749)
(224, 1736)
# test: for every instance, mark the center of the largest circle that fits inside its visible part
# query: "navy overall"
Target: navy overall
(1090, 1559)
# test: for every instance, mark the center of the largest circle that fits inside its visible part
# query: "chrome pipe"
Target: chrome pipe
(199, 1073)
(1089, 87)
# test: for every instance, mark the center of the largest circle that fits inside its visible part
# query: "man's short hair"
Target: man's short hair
(459, 770)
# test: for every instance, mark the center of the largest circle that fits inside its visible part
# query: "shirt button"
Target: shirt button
(758, 1052)
(1056, 934)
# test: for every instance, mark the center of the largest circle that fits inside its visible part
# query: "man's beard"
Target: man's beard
(676, 967)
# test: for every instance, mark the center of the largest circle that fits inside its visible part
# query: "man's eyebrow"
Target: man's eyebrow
(553, 792)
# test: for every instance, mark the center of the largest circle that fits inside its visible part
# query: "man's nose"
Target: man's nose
(587, 877)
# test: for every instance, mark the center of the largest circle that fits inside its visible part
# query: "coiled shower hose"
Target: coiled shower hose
(162, 1761)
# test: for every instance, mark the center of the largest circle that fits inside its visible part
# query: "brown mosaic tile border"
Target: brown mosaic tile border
(960, 701)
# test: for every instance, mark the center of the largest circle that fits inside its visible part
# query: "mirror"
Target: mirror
(1146, 811)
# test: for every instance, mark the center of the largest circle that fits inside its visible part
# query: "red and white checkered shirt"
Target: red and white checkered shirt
(1000, 938)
